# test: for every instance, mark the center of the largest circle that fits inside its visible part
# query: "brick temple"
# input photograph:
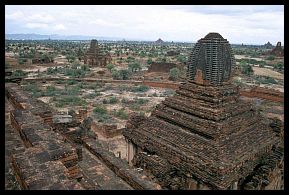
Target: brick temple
(205, 136)
(95, 57)
(277, 50)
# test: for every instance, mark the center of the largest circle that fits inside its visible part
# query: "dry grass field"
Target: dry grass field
(268, 72)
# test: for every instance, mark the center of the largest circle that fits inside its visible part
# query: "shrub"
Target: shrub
(100, 110)
(110, 67)
(247, 69)
(115, 74)
(51, 70)
(270, 58)
(70, 58)
(181, 58)
(19, 73)
(33, 89)
(75, 73)
(121, 114)
(84, 67)
(141, 101)
(70, 101)
(140, 88)
(134, 107)
(121, 74)
(50, 91)
(174, 74)
(134, 66)
(71, 82)
(92, 95)
(279, 66)
(21, 61)
(100, 113)
(265, 80)
(149, 61)
(124, 101)
(112, 100)
(73, 91)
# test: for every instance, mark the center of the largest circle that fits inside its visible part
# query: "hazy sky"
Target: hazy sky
(239, 24)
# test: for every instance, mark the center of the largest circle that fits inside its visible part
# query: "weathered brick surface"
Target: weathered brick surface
(34, 132)
(207, 132)
(263, 93)
(35, 171)
(120, 167)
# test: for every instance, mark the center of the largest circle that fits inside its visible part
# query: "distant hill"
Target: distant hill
(56, 37)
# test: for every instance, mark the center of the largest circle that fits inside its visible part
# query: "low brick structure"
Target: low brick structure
(161, 67)
(263, 93)
(106, 130)
(120, 167)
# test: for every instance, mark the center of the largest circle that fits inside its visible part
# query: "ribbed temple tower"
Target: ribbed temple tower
(93, 49)
(205, 136)
(212, 56)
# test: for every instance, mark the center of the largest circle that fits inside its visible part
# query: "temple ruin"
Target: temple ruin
(159, 41)
(205, 136)
(277, 51)
(95, 57)
(268, 45)
(46, 150)
(161, 67)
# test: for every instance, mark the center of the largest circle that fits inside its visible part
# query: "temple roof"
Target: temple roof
(213, 56)
(213, 35)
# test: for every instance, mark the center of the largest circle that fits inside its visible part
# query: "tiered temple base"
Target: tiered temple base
(205, 133)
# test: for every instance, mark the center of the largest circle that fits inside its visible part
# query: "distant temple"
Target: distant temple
(268, 45)
(277, 51)
(159, 41)
(95, 57)
(205, 136)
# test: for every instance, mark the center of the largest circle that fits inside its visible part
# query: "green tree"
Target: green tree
(174, 74)
(70, 58)
(149, 61)
(74, 65)
(110, 67)
(84, 67)
(271, 57)
(181, 58)
(125, 74)
(247, 69)
(19, 73)
(279, 66)
(134, 66)
(115, 74)
(120, 74)
(164, 59)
